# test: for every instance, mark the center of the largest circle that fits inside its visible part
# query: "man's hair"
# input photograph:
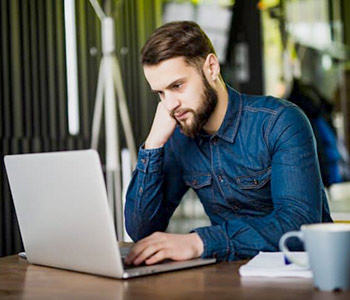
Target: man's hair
(177, 39)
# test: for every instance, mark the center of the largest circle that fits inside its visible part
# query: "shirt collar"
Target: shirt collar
(229, 127)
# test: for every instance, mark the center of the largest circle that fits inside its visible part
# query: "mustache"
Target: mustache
(178, 112)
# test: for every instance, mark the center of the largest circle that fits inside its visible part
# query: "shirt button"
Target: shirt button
(140, 190)
(221, 179)
(255, 182)
(194, 182)
(143, 160)
(215, 140)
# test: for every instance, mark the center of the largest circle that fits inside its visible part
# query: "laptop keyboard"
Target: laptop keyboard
(124, 251)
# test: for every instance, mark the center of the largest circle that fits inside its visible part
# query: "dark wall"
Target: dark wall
(33, 92)
(244, 69)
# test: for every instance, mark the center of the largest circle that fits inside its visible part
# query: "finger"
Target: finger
(158, 257)
(141, 245)
(148, 252)
(138, 248)
(135, 251)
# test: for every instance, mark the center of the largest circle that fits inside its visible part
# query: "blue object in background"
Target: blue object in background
(331, 152)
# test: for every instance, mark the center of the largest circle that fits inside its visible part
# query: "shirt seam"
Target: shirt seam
(271, 122)
(254, 109)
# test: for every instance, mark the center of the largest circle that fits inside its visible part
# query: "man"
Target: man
(251, 159)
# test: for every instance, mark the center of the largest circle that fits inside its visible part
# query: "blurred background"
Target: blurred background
(293, 49)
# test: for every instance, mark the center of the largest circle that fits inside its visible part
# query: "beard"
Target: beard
(209, 99)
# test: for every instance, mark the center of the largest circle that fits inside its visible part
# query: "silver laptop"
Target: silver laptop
(62, 209)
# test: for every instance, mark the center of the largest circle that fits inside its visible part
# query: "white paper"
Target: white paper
(272, 264)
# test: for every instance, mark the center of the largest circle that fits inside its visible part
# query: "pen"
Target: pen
(286, 261)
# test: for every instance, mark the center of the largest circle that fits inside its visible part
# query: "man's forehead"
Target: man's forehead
(167, 72)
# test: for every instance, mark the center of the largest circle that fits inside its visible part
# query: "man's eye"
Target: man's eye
(176, 86)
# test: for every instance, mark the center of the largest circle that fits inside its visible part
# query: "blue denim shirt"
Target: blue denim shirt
(257, 178)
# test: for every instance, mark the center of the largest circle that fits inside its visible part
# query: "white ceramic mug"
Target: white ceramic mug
(328, 249)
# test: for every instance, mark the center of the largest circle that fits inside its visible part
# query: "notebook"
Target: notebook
(61, 204)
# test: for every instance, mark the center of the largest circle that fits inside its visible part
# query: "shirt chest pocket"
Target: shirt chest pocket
(200, 183)
(197, 181)
(255, 180)
(256, 189)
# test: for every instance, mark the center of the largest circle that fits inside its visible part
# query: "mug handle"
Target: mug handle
(287, 252)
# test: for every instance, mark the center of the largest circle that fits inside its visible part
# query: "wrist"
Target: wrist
(152, 144)
(198, 246)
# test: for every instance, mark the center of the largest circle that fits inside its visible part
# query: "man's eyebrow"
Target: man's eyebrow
(177, 81)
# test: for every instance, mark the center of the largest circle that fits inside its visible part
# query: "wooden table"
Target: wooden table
(20, 280)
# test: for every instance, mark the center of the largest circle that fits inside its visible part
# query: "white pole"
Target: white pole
(123, 109)
(72, 68)
(96, 121)
(112, 129)
(109, 83)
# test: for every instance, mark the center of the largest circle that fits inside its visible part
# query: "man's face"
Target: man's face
(184, 92)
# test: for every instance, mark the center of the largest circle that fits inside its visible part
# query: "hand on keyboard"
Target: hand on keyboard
(159, 246)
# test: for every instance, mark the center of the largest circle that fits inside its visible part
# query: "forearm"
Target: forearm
(153, 194)
(145, 194)
(142, 213)
(246, 236)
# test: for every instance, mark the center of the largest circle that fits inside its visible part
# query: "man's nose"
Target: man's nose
(171, 102)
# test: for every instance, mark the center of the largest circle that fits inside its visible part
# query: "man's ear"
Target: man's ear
(211, 67)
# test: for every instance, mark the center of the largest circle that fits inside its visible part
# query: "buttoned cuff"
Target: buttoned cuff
(215, 242)
(150, 160)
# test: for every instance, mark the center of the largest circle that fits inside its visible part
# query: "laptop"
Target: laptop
(61, 204)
